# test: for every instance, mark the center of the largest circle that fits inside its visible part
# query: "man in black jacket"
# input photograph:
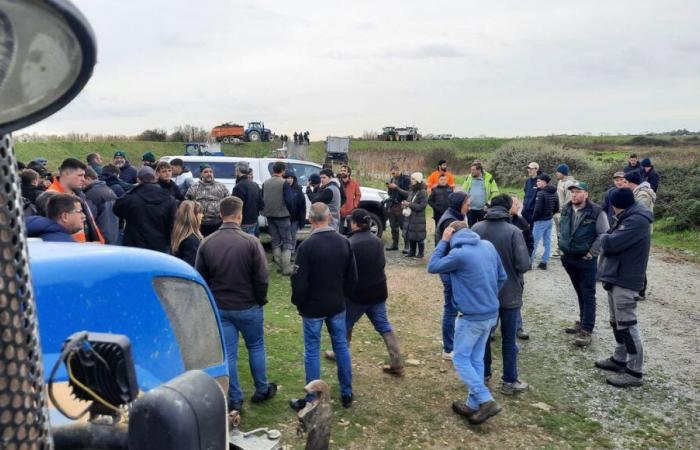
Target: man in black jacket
(233, 264)
(649, 174)
(325, 276)
(398, 189)
(149, 212)
(582, 224)
(546, 205)
(164, 174)
(622, 268)
(30, 185)
(251, 194)
(510, 245)
(102, 198)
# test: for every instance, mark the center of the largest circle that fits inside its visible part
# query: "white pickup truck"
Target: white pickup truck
(225, 172)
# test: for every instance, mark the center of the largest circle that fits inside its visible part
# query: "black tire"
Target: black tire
(376, 226)
(254, 136)
(225, 140)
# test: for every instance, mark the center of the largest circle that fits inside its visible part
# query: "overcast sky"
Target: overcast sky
(499, 68)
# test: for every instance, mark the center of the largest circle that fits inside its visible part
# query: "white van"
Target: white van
(225, 172)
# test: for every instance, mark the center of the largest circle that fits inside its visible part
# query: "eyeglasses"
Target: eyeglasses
(76, 211)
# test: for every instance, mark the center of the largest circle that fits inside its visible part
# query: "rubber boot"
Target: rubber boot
(412, 249)
(394, 241)
(286, 262)
(277, 255)
(395, 366)
(421, 250)
(406, 246)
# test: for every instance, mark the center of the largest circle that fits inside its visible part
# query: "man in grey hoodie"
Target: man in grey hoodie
(329, 193)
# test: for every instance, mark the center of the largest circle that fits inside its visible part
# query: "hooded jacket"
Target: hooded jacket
(476, 273)
(208, 194)
(184, 181)
(31, 192)
(453, 213)
(47, 230)
(149, 212)
(415, 223)
(172, 188)
(103, 198)
(645, 195)
(298, 212)
(251, 194)
(438, 200)
(510, 245)
(625, 249)
(651, 177)
(127, 173)
(114, 183)
(332, 195)
(371, 285)
(546, 203)
(530, 190)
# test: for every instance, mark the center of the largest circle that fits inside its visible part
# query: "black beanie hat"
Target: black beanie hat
(634, 177)
(622, 198)
(544, 177)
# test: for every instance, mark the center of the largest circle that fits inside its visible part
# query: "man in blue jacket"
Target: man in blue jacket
(622, 268)
(64, 216)
(530, 192)
(477, 275)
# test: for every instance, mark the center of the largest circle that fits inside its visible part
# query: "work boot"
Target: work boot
(640, 298)
(277, 255)
(421, 250)
(395, 366)
(515, 387)
(522, 334)
(611, 365)
(583, 339)
(461, 408)
(271, 391)
(624, 380)
(346, 400)
(394, 241)
(576, 329)
(286, 262)
(542, 266)
(392, 247)
(486, 410)
(405, 247)
(297, 404)
(412, 250)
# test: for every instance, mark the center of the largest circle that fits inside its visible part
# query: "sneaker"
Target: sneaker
(405, 251)
(447, 356)
(514, 388)
(461, 408)
(486, 410)
(329, 354)
(271, 391)
(542, 265)
(346, 400)
(640, 298)
(409, 255)
(297, 404)
(392, 248)
(624, 380)
(583, 339)
(235, 406)
(576, 329)
(611, 365)
(522, 334)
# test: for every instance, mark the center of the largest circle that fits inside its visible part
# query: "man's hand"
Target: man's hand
(405, 203)
(588, 256)
(447, 234)
(391, 186)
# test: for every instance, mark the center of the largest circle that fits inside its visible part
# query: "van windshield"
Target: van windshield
(221, 169)
(302, 171)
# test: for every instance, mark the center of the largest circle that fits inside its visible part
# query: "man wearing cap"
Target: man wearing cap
(209, 193)
(565, 180)
(649, 174)
(127, 172)
(481, 187)
(397, 188)
(623, 263)
(149, 213)
(440, 171)
(149, 159)
(582, 225)
(632, 164)
(251, 194)
(546, 205)
(619, 182)
(530, 191)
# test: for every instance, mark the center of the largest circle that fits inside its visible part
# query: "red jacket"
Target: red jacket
(352, 197)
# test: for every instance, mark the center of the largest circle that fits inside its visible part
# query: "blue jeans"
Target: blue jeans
(250, 228)
(312, 350)
(449, 315)
(519, 325)
(582, 273)
(509, 349)
(375, 313)
(468, 357)
(249, 322)
(542, 230)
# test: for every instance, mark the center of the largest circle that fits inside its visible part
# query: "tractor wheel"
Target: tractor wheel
(254, 136)
(225, 140)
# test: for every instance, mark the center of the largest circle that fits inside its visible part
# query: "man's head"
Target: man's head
(532, 169)
(119, 158)
(278, 168)
(543, 180)
(360, 220)
(314, 179)
(319, 215)
(146, 175)
(289, 177)
(345, 171)
(459, 201)
(72, 174)
(502, 200)
(326, 176)
(242, 168)
(633, 159)
(394, 170)
(621, 199)
(90, 176)
(110, 169)
(442, 180)
(442, 165)
(562, 171)
(633, 178)
(164, 171)
(66, 210)
(579, 193)
(29, 177)
(148, 159)
(646, 164)
(206, 173)
(94, 158)
(231, 209)
(458, 225)
(178, 166)
(476, 169)
(619, 180)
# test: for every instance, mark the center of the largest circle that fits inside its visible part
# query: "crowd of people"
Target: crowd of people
(485, 242)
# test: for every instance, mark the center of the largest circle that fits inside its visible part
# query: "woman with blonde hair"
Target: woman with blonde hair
(186, 235)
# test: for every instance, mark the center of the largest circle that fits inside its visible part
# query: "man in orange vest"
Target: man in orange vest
(441, 170)
(71, 180)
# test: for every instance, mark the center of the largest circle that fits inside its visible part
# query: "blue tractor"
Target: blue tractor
(256, 132)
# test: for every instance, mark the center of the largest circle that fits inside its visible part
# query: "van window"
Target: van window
(302, 171)
(221, 169)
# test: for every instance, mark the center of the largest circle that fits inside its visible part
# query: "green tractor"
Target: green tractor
(388, 134)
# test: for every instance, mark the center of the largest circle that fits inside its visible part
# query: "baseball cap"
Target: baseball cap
(243, 166)
(619, 174)
(579, 185)
(146, 174)
(533, 165)
(119, 153)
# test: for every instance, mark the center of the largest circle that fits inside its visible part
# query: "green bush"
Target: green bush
(679, 197)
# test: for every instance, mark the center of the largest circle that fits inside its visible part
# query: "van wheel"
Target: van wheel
(376, 226)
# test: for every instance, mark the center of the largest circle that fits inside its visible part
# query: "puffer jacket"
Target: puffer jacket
(438, 200)
(415, 223)
(546, 203)
(645, 196)
(208, 195)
